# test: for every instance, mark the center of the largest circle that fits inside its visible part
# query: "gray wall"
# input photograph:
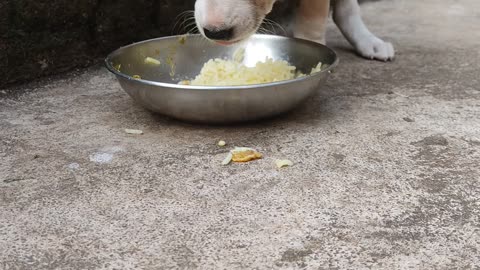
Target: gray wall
(40, 37)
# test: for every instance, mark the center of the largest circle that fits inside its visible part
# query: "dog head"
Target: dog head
(230, 21)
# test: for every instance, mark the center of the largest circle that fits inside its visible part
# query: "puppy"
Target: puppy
(230, 21)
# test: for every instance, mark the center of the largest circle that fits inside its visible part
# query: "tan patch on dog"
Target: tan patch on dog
(265, 5)
(314, 8)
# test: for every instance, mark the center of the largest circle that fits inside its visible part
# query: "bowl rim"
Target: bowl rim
(110, 68)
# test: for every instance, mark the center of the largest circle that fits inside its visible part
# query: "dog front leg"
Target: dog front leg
(346, 14)
(310, 20)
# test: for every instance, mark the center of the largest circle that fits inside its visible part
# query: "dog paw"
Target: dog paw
(375, 48)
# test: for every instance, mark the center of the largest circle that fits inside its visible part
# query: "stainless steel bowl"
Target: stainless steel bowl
(182, 58)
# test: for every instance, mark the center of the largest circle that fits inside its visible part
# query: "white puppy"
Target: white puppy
(229, 21)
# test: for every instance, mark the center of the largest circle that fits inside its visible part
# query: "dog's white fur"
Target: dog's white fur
(245, 17)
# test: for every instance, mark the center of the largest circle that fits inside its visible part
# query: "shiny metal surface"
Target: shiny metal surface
(157, 90)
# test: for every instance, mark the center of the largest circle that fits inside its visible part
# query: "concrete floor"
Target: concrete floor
(386, 172)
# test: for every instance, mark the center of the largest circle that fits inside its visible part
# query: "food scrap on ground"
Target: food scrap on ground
(245, 155)
(227, 159)
(283, 163)
(151, 61)
(241, 155)
(134, 131)
(222, 143)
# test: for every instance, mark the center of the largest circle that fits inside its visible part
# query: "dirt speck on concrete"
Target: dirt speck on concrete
(437, 140)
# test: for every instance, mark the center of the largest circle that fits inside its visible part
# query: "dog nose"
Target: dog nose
(221, 34)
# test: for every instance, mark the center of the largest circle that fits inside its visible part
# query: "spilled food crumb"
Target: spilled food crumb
(152, 61)
(283, 163)
(222, 143)
(182, 39)
(227, 159)
(242, 154)
(134, 131)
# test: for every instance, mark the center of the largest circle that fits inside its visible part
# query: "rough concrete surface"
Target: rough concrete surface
(386, 172)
